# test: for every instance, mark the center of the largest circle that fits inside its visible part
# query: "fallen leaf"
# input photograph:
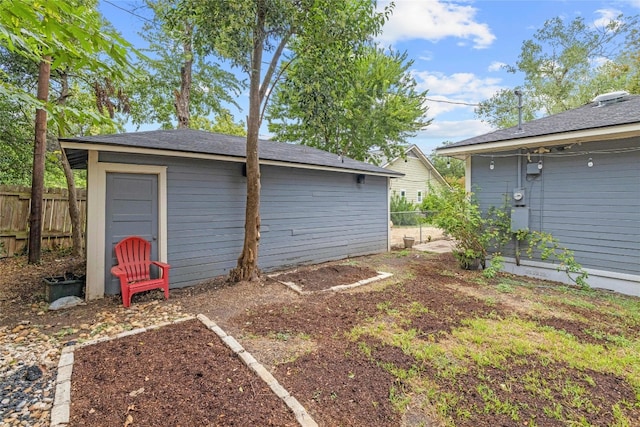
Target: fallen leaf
(129, 421)
(137, 392)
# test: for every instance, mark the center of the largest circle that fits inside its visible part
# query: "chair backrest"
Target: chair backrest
(134, 256)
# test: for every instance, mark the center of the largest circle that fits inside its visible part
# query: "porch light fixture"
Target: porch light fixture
(360, 179)
(590, 162)
(492, 165)
(540, 164)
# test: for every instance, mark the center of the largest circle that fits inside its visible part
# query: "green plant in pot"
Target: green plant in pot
(461, 219)
(474, 234)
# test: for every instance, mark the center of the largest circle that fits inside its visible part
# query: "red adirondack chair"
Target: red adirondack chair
(133, 269)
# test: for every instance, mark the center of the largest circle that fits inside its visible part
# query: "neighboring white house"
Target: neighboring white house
(419, 174)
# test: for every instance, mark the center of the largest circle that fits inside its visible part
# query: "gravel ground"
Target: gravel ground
(29, 358)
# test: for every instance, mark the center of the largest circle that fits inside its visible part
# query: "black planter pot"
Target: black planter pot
(469, 263)
(64, 286)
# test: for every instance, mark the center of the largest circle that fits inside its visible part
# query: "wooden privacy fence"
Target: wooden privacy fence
(15, 203)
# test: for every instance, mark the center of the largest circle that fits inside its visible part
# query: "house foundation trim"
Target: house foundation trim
(628, 284)
(96, 208)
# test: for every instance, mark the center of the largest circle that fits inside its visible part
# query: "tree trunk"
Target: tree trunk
(183, 97)
(39, 151)
(247, 268)
(74, 211)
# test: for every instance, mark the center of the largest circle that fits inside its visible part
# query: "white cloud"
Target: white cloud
(427, 55)
(434, 20)
(449, 131)
(496, 66)
(456, 130)
(606, 17)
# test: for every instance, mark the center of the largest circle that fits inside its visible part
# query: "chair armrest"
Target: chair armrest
(118, 271)
(164, 268)
(162, 265)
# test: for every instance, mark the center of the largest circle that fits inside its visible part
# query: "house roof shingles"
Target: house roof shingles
(208, 143)
(590, 116)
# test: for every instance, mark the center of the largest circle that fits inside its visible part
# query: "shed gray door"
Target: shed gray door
(131, 210)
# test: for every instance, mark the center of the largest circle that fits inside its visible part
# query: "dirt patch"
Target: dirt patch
(320, 279)
(319, 348)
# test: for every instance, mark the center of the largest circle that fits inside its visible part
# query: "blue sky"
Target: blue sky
(457, 48)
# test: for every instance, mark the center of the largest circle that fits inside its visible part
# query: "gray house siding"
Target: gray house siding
(316, 215)
(307, 216)
(594, 211)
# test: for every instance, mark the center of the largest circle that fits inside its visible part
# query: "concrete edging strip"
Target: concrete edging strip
(61, 409)
(299, 411)
(291, 285)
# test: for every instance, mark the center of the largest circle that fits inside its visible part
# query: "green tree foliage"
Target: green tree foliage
(177, 83)
(58, 36)
(16, 121)
(72, 32)
(16, 144)
(223, 123)
(566, 65)
(18, 75)
(245, 32)
(349, 104)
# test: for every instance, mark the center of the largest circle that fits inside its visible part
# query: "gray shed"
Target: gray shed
(575, 175)
(185, 190)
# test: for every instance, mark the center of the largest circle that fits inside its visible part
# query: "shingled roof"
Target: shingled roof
(598, 118)
(181, 142)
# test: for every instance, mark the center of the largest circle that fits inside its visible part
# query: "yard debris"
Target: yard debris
(66, 302)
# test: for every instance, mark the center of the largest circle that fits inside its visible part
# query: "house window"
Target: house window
(419, 196)
(403, 193)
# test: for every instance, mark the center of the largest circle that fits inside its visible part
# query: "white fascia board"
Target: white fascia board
(186, 154)
(427, 163)
(579, 137)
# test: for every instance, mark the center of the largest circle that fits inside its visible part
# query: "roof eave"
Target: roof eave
(158, 152)
(576, 137)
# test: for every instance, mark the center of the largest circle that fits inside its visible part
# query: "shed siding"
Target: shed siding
(307, 216)
(594, 211)
(313, 216)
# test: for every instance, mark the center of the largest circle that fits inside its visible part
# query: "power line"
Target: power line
(452, 102)
(129, 12)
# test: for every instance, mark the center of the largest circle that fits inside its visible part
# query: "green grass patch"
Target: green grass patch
(555, 368)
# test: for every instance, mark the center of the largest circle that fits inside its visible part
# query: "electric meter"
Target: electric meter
(518, 196)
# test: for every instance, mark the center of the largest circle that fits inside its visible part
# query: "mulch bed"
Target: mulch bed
(320, 279)
(177, 375)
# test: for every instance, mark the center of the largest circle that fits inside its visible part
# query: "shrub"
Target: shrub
(403, 212)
